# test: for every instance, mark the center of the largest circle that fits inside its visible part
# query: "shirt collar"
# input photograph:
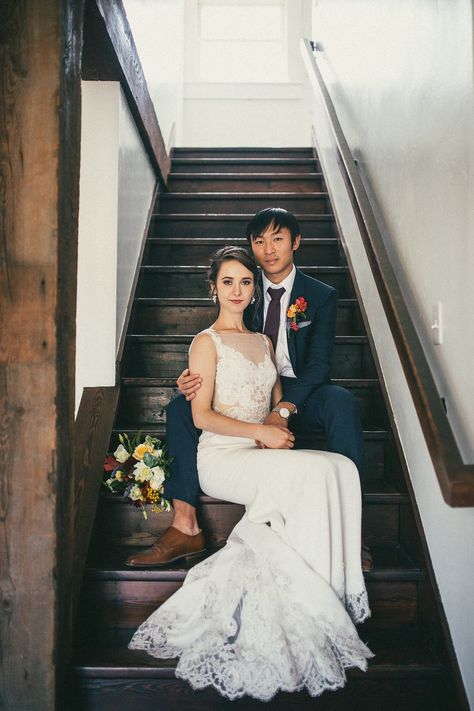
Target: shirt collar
(287, 283)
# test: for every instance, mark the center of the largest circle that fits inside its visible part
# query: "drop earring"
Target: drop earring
(214, 298)
(252, 300)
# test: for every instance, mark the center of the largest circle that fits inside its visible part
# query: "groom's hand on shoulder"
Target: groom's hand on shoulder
(188, 384)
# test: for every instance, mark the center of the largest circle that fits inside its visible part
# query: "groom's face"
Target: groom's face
(273, 252)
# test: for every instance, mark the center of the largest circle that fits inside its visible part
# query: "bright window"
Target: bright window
(239, 42)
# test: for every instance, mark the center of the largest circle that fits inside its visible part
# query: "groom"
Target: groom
(303, 356)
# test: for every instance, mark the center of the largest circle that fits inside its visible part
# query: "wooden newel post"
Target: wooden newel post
(40, 49)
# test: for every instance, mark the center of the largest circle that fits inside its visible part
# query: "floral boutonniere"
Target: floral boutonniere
(297, 313)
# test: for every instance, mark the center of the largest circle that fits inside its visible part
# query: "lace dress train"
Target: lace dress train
(275, 608)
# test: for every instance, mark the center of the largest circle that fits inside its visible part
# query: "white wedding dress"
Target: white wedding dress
(275, 608)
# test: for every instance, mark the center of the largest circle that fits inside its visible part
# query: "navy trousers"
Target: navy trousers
(329, 408)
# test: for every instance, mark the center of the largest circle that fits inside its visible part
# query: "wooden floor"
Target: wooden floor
(213, 193)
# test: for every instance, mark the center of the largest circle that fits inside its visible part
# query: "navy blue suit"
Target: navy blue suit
(321, 405)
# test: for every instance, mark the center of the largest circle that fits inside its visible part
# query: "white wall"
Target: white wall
(267, 113)
(402, 82)
(158, 31)
(400, 75)
(116, 189)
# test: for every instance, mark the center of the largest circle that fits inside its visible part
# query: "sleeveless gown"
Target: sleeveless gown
(275, 608)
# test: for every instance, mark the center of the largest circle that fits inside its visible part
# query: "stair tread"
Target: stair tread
(405, 652)
(308, 217)
(158, 429)
(390, 563)
(247, 160)
(178, 150)
(202, 268)
(187, 338)
(171, 382)
(237, 240)
(245, 176)
(216, 195)
(201, 300)
(376, 491)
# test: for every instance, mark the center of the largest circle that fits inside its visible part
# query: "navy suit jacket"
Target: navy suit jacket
(310, 348)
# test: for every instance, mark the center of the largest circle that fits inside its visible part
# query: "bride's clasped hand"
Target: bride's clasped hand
(275, 608)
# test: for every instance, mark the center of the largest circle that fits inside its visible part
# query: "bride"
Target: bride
(274, 610)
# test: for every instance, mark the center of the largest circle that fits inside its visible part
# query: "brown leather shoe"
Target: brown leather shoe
(171, 546)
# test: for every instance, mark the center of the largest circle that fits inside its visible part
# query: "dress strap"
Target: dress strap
(265, 340)
(217, 340)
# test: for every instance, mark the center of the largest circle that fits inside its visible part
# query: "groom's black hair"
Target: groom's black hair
(275, 217)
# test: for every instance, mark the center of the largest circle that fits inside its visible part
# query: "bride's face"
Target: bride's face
(234, 286)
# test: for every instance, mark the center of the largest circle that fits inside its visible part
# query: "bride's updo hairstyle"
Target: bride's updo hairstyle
(238, 254)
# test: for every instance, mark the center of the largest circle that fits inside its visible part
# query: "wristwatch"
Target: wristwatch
(284, 412)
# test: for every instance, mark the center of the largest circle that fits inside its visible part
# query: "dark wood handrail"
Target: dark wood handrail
(110, 54)
(455, 478)
(94, 424)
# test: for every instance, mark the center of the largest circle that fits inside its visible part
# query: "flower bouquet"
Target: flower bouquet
(137, 471)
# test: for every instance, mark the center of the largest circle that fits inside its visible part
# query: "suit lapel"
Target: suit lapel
(297, 291)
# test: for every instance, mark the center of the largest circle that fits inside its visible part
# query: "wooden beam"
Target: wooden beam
(110, 54)
(40, 48)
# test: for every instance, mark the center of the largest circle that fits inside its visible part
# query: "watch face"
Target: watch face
(284, 412)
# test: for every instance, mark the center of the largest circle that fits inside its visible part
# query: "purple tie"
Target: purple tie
(272, 322)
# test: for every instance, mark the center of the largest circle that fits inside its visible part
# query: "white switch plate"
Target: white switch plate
(437, 323)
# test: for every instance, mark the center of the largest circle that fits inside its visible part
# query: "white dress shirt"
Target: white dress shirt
(282, 354)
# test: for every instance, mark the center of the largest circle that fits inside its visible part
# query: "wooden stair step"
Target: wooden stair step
(182, 316)
(231, 225)
(118, 520)
(390, 563)
(206, 151)
(405, 674)
(143, 400)
(218, 203)
(197, 250)
(244, 164)
(116, 598)
(245, 182)
(167, 356)
(175, 280)
(379, 448)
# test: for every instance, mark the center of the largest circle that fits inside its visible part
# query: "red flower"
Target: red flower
(294, 326)
(110, 463)
(301, 303)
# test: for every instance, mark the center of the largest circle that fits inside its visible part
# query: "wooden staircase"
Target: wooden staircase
(212, 195)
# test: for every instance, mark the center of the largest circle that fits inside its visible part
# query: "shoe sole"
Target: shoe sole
(187, 556)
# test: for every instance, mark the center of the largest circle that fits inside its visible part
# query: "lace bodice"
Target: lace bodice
(245, 375)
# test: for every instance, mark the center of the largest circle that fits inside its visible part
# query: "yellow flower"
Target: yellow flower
(141, 450)
(291, 311)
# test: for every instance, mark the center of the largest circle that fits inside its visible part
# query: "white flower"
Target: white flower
(136, 494)
(121, 454)
(142, 472)
(157, 453)
(157, 478)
